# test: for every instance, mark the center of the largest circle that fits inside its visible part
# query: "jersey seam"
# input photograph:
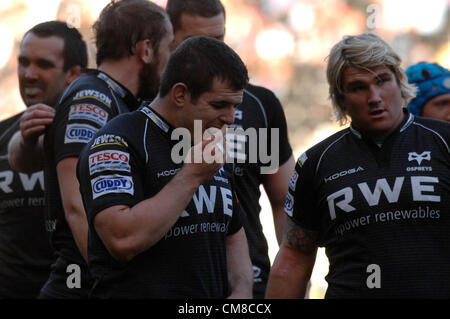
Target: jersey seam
(326, 150)
(145, 141)
(433, 131)
(258, 101)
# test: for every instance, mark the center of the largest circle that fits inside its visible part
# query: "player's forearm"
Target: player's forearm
(129, 231)
(279, 220)
(289, 274)
(276, 187)
(77, 222)
(240, 273)
(25, 157)
(72, 202)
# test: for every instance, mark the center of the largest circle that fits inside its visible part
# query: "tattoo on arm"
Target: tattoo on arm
(299, 238)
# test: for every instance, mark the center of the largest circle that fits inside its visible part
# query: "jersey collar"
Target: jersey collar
(130, 100)
(159, 121)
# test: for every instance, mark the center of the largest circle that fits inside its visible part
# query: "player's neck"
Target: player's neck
(123, 71)
(162, 108)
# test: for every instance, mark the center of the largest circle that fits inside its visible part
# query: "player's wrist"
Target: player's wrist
(189, 178)
(29, 143)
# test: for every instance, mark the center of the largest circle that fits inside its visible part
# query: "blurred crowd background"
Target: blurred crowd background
(284, 43)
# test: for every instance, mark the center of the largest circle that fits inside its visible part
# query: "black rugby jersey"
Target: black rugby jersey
(261, 110)
(128, 161)
(25, 252)
(382, 214)
(87, 104)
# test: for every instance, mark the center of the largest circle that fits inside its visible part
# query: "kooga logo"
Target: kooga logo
(343, 173)
(110, 184)
(168, 172)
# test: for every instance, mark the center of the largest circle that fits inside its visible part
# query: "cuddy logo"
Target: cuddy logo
(79, 133)
(112, 184)
(293, 181)
(413, 156)
(289, 204)
(109, 160)
(88, 112)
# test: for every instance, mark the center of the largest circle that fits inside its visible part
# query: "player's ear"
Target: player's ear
(144, 51)
(180, 94)
(341, 102)
(72, 74)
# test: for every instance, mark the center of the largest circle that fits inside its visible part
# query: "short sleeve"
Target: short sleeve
(236, 220)
(300, 202)
(78, 117)
(109, 174)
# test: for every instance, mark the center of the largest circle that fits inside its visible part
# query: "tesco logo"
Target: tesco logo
(111, 160)
(91, 109)
(108, 156)
(88, 112)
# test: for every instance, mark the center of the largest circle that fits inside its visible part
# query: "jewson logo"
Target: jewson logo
(79, 133)
(111, 184)
(237, 146)
(109, 160)
(93, 94)
(109, 139)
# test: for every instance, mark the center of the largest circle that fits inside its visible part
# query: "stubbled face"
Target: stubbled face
(195, 25)
(438, 108)
(41, 74)
(214, 108)
(373, 100)
(150, 75)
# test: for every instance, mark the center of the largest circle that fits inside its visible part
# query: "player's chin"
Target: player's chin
(212, 129)
(380, 128)
(31, 100)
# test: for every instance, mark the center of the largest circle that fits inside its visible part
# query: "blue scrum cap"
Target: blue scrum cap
(431, 80)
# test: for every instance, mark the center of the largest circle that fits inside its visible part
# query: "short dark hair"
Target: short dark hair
(123, 23)
(198, 61)
(203, 8)
(75, 51)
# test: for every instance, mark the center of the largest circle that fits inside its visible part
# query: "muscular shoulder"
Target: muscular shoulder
(263, 98)
(87, 87)
(260, 92)
(328, 146)
(7, 123)
(127, 125)
(439, 127)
